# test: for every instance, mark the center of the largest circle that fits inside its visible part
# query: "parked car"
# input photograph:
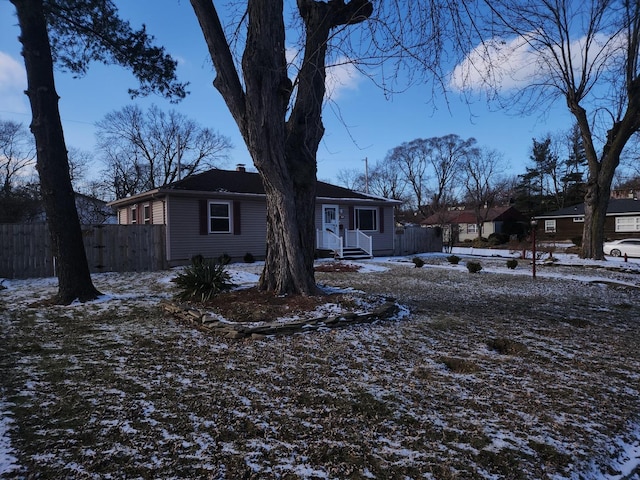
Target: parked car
(628, 246)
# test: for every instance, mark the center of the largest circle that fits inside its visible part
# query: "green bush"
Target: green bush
(454, 259)
(474, 267)
(249, 258)
(202, 280)
(512, 263)
(418, 262)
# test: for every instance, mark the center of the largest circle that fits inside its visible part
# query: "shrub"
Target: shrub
(512, 263)
(479, 242)
(474, 267)
(454, 259)
(224, 259)
(498, 239)
(202, 280)
(577, 241)
(418, 262)
(249, 258)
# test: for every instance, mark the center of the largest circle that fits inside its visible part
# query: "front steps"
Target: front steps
(354, 253)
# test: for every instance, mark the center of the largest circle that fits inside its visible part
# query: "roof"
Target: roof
(495, 214)
(244, 183)
(617, 206)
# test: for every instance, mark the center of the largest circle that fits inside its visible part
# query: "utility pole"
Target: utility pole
(179, 160)
(366, 175)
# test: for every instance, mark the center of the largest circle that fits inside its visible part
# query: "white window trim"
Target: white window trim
(550, 226)
(375, 217)
(579, 219)
(146, 208)
(133, 212)
(472, 228)
(630, 226)
(230, 217)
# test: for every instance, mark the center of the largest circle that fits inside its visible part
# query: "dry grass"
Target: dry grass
(491, 376)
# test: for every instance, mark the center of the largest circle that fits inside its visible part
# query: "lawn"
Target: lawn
(492, 375)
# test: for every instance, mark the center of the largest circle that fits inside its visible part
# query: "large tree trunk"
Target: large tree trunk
(74, 279)
(284, 152)
(601, 170)
(596, 202)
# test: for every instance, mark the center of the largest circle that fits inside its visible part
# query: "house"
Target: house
(622, 221)
(91, 210)
(224, 212)
(462, 225)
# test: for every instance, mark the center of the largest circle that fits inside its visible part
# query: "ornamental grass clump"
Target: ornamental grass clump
(512, 263)
(202, 280)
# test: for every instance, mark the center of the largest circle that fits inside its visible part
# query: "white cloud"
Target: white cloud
(13, 83)
(512, 64)
(341, 76)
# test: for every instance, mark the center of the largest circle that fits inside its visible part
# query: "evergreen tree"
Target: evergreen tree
(75, 33)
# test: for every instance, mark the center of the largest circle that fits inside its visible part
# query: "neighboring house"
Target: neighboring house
(91, 211)
(224, 212)
(622, 221)
(461, 225)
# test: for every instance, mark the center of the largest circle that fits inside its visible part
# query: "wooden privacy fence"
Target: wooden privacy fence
(411, 240)
(25, 250)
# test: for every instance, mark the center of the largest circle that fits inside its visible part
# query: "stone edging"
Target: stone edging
(239, 330)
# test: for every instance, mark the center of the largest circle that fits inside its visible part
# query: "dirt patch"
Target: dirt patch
(253, 305)
(337, 267)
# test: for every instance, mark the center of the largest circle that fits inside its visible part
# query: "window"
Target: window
(134, 214)
(146, 214)
(549, 226)
(578, 219)
(472, 228)
(366, 218)
(219, 217)
(628, 224)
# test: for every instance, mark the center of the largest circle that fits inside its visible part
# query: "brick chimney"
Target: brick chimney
(240, 168)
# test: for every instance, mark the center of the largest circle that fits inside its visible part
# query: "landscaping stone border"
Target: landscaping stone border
(239, 330)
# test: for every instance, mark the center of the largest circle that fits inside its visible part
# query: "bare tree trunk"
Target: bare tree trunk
(74, 279)
(284, 152)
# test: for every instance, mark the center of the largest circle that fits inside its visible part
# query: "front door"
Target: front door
(330, 219)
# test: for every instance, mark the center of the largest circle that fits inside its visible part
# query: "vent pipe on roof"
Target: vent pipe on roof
(240, 168)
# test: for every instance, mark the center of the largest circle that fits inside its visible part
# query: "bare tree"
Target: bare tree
(17, 154)
(352, 178)
(447, 156)
(145, 150)
(586, 53)
(411, 159)
(386, 180)
(484, 182)
(281, 120)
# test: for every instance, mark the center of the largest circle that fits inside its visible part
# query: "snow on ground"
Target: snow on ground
(112, 389)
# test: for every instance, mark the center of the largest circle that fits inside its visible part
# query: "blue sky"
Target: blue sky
(370, 126)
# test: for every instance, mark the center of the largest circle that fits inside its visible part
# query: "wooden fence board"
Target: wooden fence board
(412, 240)
(25, 249)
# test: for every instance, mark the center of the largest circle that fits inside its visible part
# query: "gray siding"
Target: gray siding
(185, 240)
(382, 241)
